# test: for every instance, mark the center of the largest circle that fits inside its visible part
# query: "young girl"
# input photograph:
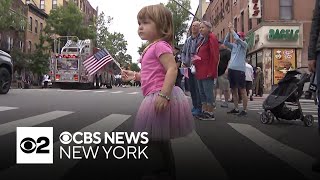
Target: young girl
(165, 111)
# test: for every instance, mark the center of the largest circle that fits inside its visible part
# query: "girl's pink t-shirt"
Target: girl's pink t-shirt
(152, 71)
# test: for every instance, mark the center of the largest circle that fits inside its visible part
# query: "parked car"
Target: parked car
(6, 71)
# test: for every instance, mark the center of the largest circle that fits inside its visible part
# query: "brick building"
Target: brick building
(84, 5)
(13, 38)
(277, 41)
(36, 19)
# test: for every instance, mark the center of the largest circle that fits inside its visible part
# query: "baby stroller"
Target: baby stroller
(289, 89)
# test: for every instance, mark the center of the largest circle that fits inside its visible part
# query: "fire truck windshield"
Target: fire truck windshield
(67, 64)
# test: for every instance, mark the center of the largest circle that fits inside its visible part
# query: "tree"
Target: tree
(102, 29)
(113, 42)
(68, 21)
(9, 18)
(134, 67)
(39, 60)
(142, 47)
(19, 60)
(180, 18)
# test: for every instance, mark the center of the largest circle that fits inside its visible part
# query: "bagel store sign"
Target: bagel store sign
(283, 34)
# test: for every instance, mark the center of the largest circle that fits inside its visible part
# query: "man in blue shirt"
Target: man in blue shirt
(237, 69)
(189, 50)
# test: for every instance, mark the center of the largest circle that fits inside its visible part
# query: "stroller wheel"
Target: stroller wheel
(270, 116)
(308, 120)
(264, 118)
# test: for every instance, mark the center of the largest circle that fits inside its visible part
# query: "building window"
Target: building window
(29, 46)
(224, 34)
(36, 26)
(42, 4)
(286, 9)
(30, 24)
(242, 21)
(54, 4)
(41, 27)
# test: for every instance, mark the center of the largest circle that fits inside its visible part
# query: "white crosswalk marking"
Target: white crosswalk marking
(5, 108)
(295, 158)
(100, 91)
(190, 152)
(308, 107)
(116, 92)
(31, 121)
(133, 93)
(61, 166)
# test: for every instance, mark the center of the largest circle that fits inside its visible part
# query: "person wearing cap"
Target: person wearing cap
(188, 51)
(314, 60)
(237, 69)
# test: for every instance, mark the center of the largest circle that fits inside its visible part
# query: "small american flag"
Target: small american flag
(97, 61)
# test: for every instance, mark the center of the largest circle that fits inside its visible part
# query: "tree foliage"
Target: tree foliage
(180, 18)
(19, 60)
(134, 67)
(39, 59)
(142, 47)
(114, 42)
(68, 21)
(102, 29)
(9, 18)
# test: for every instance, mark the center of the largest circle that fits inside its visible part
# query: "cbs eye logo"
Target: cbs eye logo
(29, 145)
(65, 137)
(34, 145)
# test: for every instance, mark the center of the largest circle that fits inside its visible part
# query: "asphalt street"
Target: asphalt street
(227, 148)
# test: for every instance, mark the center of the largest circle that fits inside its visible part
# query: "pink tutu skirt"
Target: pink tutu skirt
(175, 121)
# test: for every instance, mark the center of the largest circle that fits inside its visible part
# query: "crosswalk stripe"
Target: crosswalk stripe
(66, 90)
(100, 91)
(191, 150)
(5, 108)
(61, 166)
(31, 121)
(295, 158)
(134, 93)
(116, 92)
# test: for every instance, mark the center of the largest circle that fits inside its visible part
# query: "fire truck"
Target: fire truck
(67, 70)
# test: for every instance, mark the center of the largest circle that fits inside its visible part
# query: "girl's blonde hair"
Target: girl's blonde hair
(162, 17)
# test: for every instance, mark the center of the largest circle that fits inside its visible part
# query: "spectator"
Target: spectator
(189, 50)
(259, 82)
(224, 86)
(249, 80)
(237, 68)
(207, 69)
